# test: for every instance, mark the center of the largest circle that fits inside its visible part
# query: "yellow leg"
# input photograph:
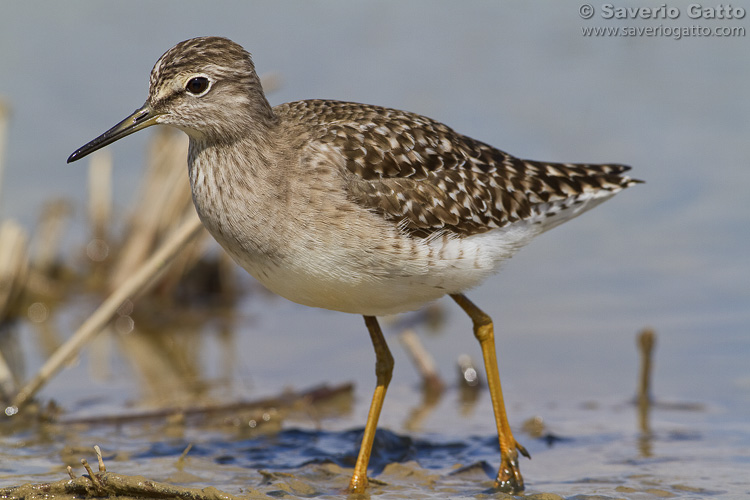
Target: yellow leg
(509, 477)
(383, 370)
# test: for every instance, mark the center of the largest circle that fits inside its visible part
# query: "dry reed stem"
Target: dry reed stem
(135, 284)
(7, 383)
(165, 197)
(100, 193)
(4, 118)
(14, 265)
(320, 395)
(47, 238)
(646, 341)
(423, 361)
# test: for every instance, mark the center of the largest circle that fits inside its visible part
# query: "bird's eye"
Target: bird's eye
(197, 85)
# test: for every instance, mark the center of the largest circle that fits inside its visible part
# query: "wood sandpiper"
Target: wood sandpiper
(357, 208)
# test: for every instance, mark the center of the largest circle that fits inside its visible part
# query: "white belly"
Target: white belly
(376, 282)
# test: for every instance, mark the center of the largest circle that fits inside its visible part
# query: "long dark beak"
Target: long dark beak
(140, 119)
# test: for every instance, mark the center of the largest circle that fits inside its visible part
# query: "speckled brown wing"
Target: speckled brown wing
(426, 177)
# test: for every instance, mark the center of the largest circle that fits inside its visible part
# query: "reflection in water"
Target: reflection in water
(470, 384)
(432, 385)
(431, 397)
(10, 366)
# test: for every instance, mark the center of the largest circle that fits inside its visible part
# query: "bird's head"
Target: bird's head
(206, 87)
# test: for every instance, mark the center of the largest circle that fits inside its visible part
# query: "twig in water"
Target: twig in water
(99, 458)
(135, 284)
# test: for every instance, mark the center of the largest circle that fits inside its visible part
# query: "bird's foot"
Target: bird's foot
(358, 484)
(509, 479)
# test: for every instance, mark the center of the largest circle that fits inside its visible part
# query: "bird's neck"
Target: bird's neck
(235, 188)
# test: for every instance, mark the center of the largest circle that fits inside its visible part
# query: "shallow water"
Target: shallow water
(583, 442)
(670, 254)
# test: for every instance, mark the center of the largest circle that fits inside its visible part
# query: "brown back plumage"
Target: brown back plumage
(426, 177)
